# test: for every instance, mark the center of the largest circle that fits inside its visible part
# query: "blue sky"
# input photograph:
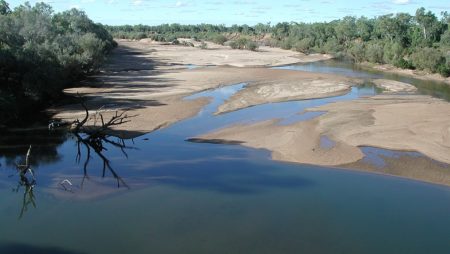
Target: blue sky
(153, 12)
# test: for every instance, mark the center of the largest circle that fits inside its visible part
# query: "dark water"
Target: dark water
(186, 197)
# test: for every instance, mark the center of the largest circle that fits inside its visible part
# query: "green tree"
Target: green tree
(429, 25)
(346, 30)
(4, 8)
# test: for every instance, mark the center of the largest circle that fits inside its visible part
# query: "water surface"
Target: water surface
(186, 197)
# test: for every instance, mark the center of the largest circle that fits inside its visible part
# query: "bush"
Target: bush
(219, 39)
(304, 45)
(187, 44)
(402, 63)
(392, 52)
(444, 70)
(203, 45)
(286, 44)
(234, 45)
(428, 59)
(332, 46)
(357, 51)
(251, 45)
(374, 52)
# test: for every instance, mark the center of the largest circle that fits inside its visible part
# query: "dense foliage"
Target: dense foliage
(419, 41)
(42, 52)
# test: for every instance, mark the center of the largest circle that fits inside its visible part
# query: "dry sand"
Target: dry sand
(217, 55)
(319, 86)
(407, 122)
(141, 77)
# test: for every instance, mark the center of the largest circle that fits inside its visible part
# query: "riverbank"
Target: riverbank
(422, 75)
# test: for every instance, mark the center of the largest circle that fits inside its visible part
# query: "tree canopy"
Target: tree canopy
(396, 39)
(42, 52)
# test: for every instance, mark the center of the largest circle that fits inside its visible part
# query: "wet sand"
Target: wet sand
(392, 86)
(396, 122)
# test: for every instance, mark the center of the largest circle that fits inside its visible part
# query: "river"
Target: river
(164, 194)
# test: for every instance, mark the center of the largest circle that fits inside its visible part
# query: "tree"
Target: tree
(346, 30)
(429, 24)
(4, 8)
(364, 28)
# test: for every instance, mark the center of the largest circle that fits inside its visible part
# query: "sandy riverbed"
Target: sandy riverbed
(148, 80)
(218, 55)
(407, 122)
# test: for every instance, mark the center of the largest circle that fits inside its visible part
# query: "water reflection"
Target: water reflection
(15, 143)
(96, 143)
(44, 150)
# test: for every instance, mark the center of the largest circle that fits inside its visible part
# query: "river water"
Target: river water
(163, 194)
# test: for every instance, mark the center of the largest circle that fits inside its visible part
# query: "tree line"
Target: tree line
(42, 52)
(420, 41)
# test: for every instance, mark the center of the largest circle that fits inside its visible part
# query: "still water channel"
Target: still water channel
(166, 195)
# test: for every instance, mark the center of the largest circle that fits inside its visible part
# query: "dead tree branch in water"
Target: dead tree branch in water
(27, 183)
(96, 143)
(23, 169)
(94, 137)
(94, 130)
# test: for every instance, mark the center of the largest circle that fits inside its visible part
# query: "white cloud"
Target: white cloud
(137, 2)
(180, 4)
(402, 1)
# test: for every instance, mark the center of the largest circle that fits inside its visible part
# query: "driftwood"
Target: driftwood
(78, 126)
(27, 182)
(94, 137)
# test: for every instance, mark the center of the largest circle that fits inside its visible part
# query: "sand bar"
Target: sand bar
(406, 122)
(147, 80)
(392, 86)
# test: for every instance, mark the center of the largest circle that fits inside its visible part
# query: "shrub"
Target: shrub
(374, 52)
(219, 39)
(203, 45)
(392, 52)
(303, 45)
(444, 70)
(428, 58)
(234, 45)
(251, 45)
(286, 44)
(402, 63)
(332, 46)
(357, 51)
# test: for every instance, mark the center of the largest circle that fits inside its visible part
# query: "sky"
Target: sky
(251, 12)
